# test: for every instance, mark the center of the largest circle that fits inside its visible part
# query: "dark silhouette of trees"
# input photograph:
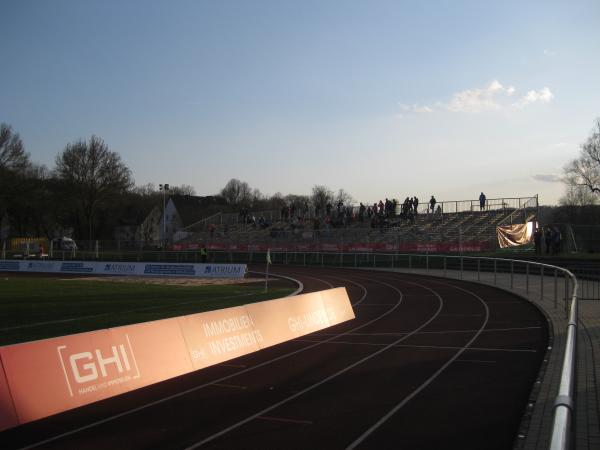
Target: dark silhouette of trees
(321, 195)
(93, 176)
(239, 193)
(12, 152)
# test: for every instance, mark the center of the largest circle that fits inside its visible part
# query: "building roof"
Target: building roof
(192, 208)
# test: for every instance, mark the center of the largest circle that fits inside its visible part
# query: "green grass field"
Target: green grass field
(41, 307)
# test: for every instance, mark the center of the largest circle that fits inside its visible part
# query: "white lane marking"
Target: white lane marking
(489, 330)
(235, 366)
(321, 280)
(230, 386)
(202, 386)
(374, 304)
(298, 282)
(503, 302)
(483, 361)
(283, 419)
(323, 381)
(462, 315)
(433, 347)
(364, 289)
(427, 382)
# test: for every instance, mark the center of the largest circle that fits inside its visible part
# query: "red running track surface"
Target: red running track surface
(428, 363)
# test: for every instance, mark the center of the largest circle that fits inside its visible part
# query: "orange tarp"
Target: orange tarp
(514, 235)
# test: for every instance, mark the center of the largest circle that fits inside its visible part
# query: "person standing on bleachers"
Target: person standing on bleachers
(548, 237)
(537, 240)
(482, 200)
(432, 203)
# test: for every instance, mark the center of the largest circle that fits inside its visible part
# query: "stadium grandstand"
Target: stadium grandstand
(452, 226)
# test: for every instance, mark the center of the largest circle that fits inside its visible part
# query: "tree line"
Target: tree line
(91, 191)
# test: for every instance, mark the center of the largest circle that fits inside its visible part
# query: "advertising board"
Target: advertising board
(46, 377)
(126, 268)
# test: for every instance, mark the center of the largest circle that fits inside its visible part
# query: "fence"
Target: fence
(446, 207)
(586, 238)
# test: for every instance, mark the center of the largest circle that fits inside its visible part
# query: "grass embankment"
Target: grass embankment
(36, 307)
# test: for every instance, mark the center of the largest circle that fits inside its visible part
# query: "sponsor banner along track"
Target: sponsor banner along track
(49, 376)
(127, 268)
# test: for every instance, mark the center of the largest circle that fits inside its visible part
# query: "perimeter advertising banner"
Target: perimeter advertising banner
(126, 268)
(357, 247)
(46, 377)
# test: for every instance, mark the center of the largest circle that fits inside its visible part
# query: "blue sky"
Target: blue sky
(383, 99)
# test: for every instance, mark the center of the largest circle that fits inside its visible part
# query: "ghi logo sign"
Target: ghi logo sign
(98, 368)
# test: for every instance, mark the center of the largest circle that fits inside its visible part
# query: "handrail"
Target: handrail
(564, 405)
(524, 207)
(206, 219)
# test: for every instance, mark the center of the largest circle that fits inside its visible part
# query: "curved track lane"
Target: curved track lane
(427, 363)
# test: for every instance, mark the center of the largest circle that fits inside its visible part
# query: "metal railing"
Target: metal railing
(520, 214)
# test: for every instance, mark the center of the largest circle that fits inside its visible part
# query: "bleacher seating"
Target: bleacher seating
(423, 228)
(464, 223)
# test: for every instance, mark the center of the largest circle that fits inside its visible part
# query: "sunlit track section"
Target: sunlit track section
(341, 372)
(319, 383)
(217, 381)
(360, 286)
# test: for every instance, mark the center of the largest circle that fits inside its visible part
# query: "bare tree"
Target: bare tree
(321, 195)
(585, 170)
(146, 190)
(12, 152)
(344, 197)
(184, 189)
(94, 175)
(256, 196)
(237, 193)
(578, 196)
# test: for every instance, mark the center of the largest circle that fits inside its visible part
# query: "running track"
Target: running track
(427, 364)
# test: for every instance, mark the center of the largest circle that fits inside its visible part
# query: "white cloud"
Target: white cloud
(416, 108)
(560, 144)
(478, 100)
(493, 97)
(548, 178)
(544, 95)
(495, 86)
(548, 52)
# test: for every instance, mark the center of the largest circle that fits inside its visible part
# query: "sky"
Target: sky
(380, 98)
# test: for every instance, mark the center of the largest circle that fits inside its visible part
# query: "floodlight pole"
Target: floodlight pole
(267, 271)
(164, 188)
(267, 278)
